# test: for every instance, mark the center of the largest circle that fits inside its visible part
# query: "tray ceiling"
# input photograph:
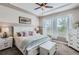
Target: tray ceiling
(57, 7)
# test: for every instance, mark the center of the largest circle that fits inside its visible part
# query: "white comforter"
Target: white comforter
(25, 43)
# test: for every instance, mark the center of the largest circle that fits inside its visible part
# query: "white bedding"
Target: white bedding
(26, 43)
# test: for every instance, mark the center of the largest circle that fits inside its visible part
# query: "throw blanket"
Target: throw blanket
(31, 41)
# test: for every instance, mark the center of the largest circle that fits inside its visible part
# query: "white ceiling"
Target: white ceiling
(57, 7)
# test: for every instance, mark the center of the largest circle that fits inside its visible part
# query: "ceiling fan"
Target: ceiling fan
(42, 5)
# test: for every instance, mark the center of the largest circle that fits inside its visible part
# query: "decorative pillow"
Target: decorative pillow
(24, 34)
(30, 33)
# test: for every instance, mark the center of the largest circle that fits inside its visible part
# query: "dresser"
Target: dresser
(5, 43)
(73, 40)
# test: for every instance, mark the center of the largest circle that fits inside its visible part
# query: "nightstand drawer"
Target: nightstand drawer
(5, 45)
(1, 47)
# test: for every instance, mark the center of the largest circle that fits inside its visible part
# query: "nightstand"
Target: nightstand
(5, 43)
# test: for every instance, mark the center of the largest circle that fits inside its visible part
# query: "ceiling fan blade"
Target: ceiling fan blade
(49, 6)
(37, 8)
(38, 4)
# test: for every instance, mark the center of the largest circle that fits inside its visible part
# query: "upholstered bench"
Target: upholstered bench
(47, 48)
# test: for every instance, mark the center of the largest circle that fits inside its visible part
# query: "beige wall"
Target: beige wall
(11, 16)
(73, 12)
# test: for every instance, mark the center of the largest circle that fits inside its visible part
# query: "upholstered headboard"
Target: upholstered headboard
(24, 31)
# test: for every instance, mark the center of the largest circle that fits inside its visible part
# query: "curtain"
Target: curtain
(51, 26)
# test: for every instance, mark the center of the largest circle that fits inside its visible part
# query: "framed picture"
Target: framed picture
(24, 20)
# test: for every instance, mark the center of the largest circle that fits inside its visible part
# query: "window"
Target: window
(47, 26)
(56, 26)
(62, 26)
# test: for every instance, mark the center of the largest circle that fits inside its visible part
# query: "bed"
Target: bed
(25, 44)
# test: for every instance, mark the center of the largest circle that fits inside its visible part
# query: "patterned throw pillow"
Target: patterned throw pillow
(30, 33)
